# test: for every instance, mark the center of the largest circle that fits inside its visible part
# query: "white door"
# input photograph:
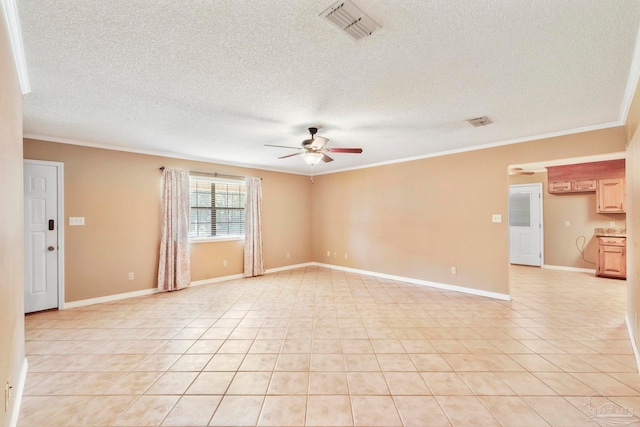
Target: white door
(525, 224)
(41, 236)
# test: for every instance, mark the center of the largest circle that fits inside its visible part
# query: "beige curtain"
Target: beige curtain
(253, 261)
(174, 271)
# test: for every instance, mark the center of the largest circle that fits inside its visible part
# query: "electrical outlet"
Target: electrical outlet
(224, 263)
(346, 256)
(496, 218)
(328, 253)
(288, 255)
(131, 276)
(335, 254)
(454, 270)
(76, 220)
(567, 223)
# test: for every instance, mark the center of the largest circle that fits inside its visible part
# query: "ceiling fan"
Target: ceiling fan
(314, 149)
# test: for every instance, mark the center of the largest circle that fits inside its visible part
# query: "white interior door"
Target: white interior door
(525, 224)
(41, 237)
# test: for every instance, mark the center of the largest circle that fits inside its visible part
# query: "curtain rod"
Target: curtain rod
(215, 174)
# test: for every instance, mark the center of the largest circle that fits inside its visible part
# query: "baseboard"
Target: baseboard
(575, 269)
(109, 298)
(633, 342)
(216, 280)
(289, 267)
(19, 390)
(463, 289)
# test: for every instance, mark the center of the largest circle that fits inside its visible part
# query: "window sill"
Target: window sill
(215, 239)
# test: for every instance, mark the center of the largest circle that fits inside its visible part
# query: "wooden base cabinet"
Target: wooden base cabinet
(612, 257)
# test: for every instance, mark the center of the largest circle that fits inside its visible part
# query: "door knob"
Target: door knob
(51, 248)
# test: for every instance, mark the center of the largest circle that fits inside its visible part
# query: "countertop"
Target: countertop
(611, 232)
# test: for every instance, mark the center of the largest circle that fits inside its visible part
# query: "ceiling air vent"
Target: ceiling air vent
(348, 18)
(479, 121)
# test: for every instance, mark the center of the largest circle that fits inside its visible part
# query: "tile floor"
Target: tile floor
(316, 347)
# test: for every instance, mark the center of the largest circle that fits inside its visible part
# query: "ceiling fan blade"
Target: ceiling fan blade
(345, 150)
(319, 142)
(326, 158)
(281, 146)
(289, 155)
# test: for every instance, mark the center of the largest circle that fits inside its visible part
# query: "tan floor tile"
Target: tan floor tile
(467, 411)
(369, 383)
(420, 411)
(328, 383)
(157, 362)
(133, 383)
(205, 347)
(191, 362)
(237, 411)
(557, 411)
(101, 412)
(247, 383)
(361, 362)
(534, 363)
(395, 362)
(485, 384)
(446, 384)
(358, 346)
(192, 411)
(172, 383)
(329, 411)
(293, 362)
(406, 384)
(258, 362)
(375, 411)
(314, 326)
(211, 383)
(327, 362)
(52, 410)
(525, 384)
(511, 410)
(289, 383)
(283, 411)
(564, 384)
(147, 411)
(430, 362)
(224, 362)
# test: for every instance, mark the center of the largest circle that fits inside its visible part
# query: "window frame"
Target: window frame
(217, 180)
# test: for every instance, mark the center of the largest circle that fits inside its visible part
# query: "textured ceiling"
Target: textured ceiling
(217, 79)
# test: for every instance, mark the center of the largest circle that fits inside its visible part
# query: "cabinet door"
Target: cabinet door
(584, 185)
(560, 187)
(612, 261)
(611, 195)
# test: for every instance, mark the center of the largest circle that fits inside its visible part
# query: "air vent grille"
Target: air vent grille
(348, 17)
(479, 121)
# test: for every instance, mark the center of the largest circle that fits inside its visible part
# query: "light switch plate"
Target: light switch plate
(76, 220)
(496, 218)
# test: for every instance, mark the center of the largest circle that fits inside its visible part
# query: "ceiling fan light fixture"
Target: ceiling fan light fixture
(312, 158)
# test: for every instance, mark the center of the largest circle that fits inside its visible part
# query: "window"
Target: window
(216, 207)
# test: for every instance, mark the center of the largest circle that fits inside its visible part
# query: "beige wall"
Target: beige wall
(418, 219)
(118, 193)
(11, 225)
(633, 215)
(580, 210)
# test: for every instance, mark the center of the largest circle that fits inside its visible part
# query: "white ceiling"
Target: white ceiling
(217, 79)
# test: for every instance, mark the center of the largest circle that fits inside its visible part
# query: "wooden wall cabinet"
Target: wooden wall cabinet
(611, 195)
(612, 257)
(583, 177)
